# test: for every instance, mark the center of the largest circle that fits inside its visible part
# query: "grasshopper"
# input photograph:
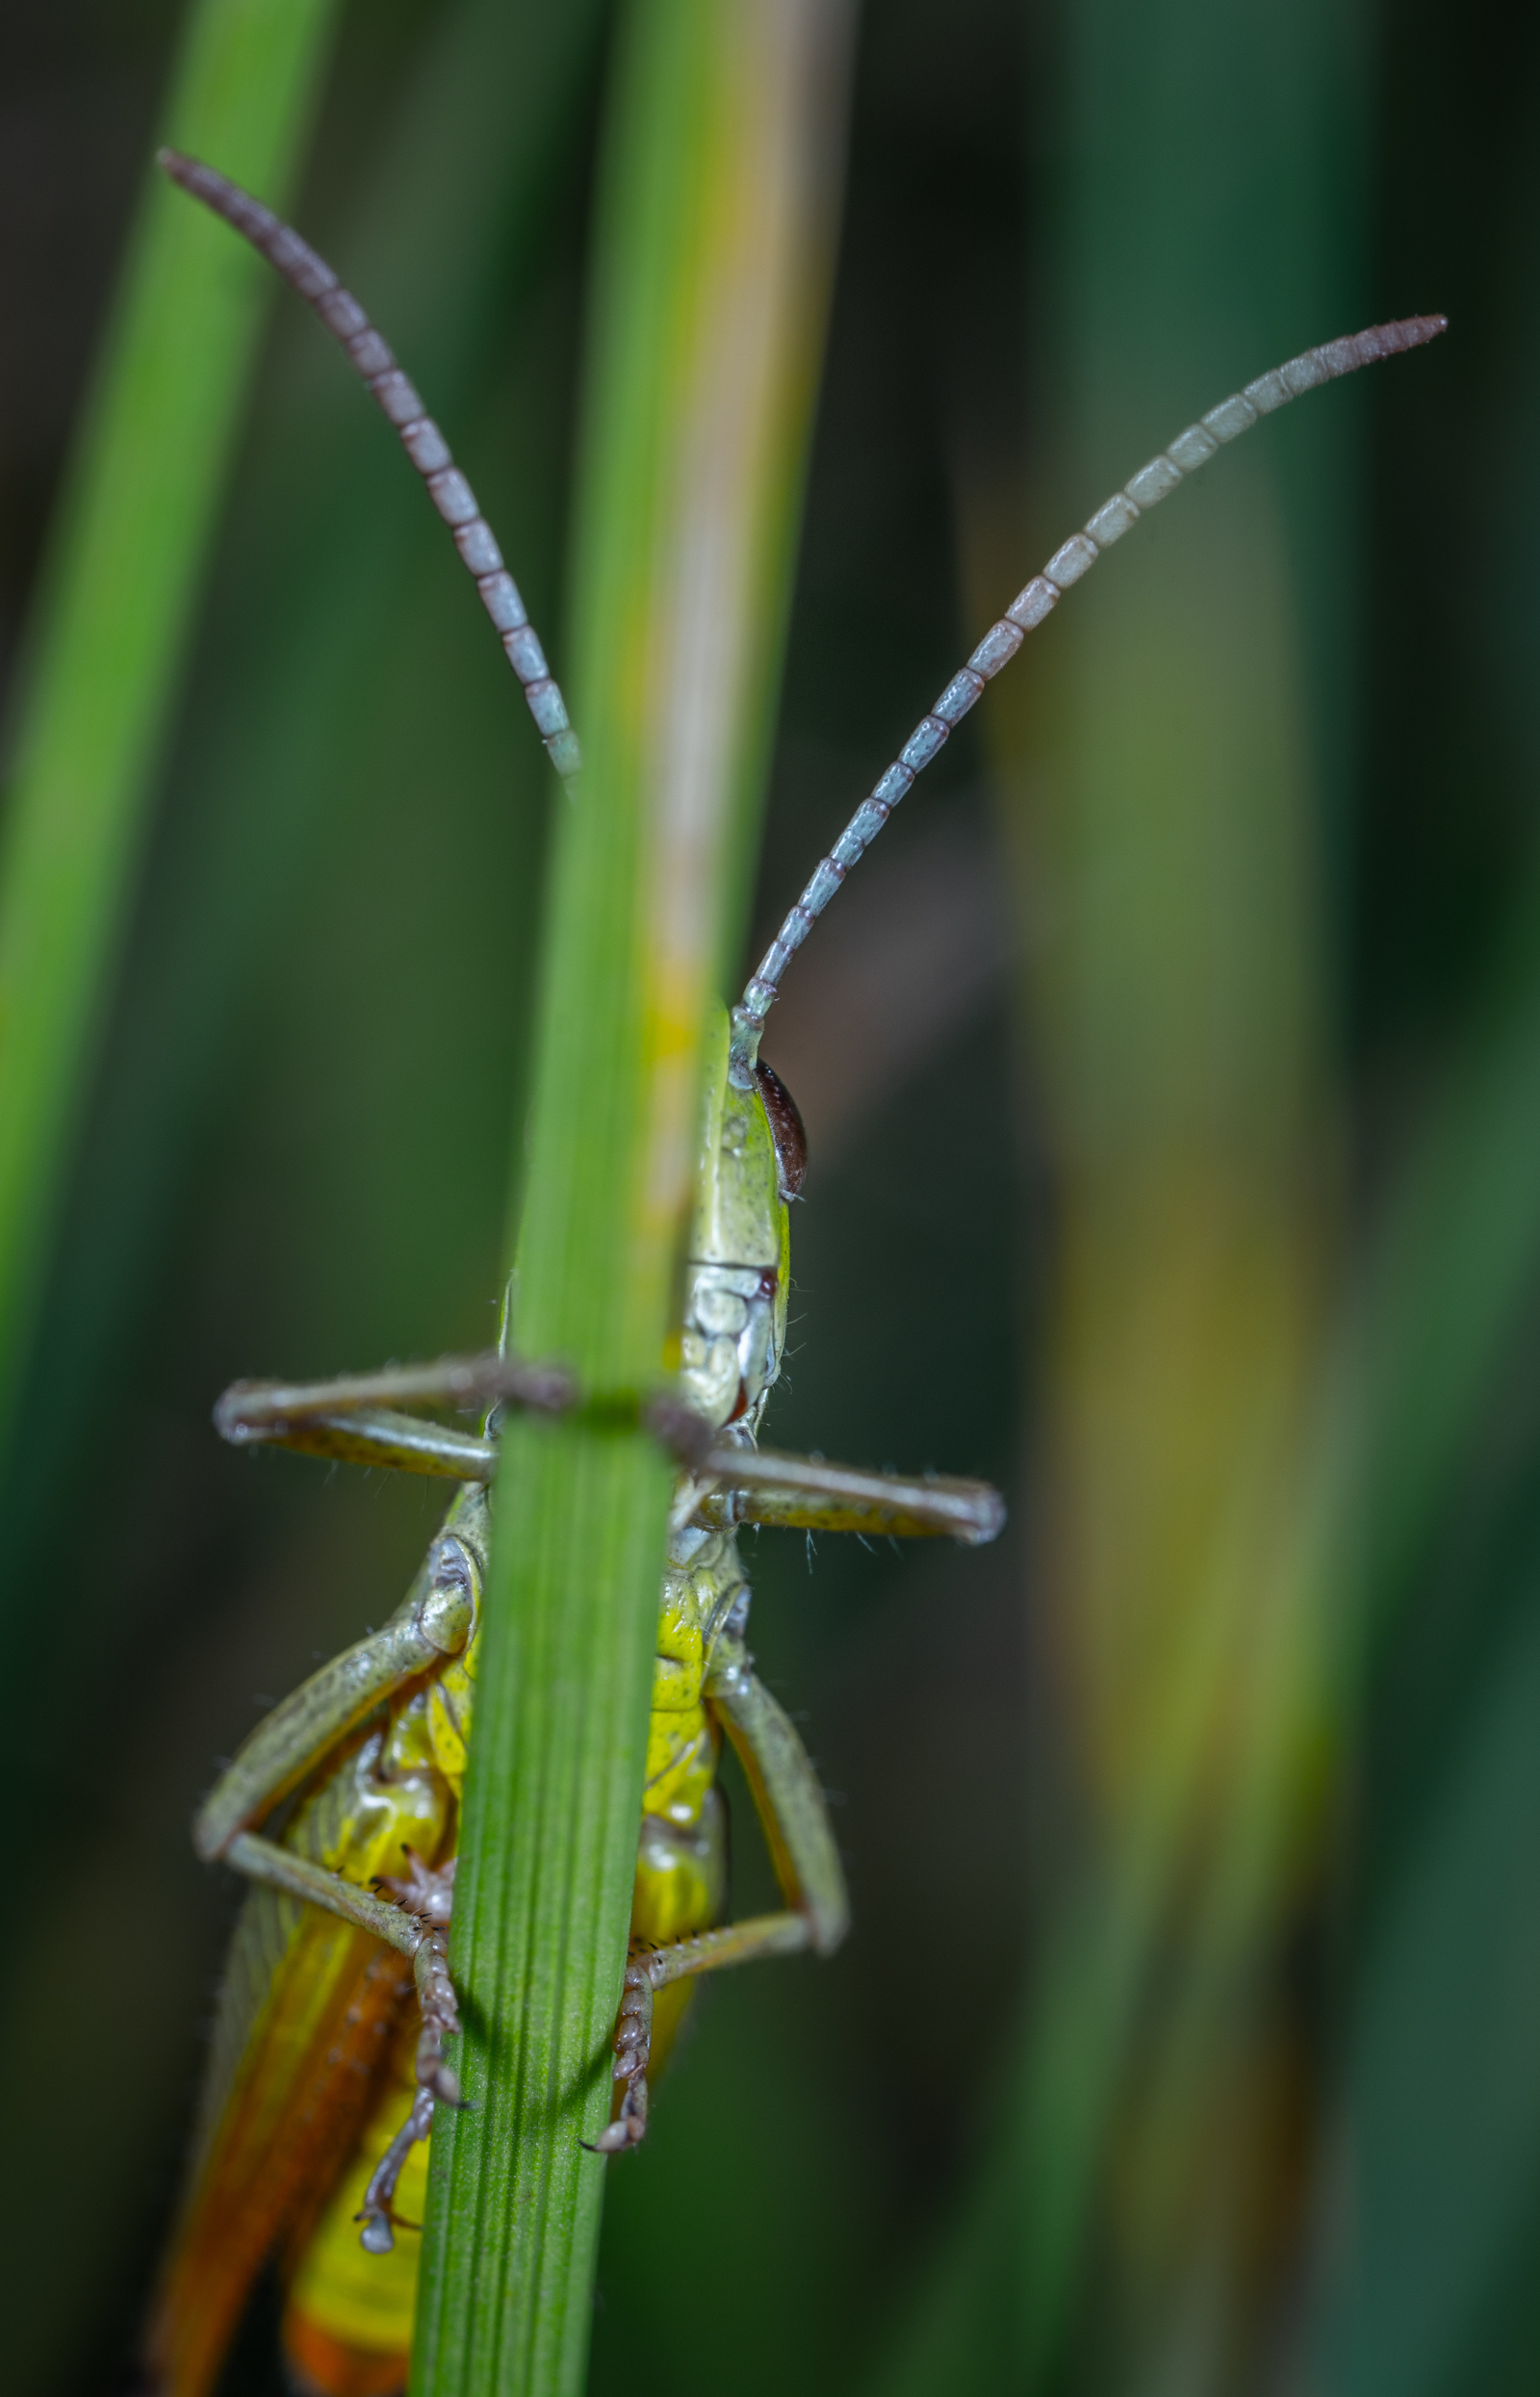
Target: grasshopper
(341, 1807)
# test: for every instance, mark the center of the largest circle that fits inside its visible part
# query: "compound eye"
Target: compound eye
(786, 1130)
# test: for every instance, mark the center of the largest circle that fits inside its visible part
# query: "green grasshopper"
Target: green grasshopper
(323, 2087)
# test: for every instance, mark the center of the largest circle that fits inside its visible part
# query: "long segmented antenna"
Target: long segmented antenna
(420, 438)
(999, 645)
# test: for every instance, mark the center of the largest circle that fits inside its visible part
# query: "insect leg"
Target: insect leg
(739, 1943)
(804, 1493)
(795, 1820)
(790, 1806)
(355, 1418)
(377, 2213)
(415, 1921)
(264, 1860)
(433, 1622)
(377, 1436)
(427, 1895)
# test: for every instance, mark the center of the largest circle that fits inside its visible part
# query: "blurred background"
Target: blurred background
(1172, 1081)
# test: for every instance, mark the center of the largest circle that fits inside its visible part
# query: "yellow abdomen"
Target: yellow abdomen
(348, 2323)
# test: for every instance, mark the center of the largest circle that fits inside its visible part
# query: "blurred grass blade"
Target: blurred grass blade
(1428, 2198)
(1171, 816)
(708, 300)
(1409, 1386)
(133, 534)
(280, 764)
(1448, 1281)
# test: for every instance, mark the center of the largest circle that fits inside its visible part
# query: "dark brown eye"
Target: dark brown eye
(786, 1130)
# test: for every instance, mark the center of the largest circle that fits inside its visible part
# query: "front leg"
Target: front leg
(806, 1494)
(433, 1623)
(356, 1419)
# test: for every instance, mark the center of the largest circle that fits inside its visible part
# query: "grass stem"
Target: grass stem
(708, 286)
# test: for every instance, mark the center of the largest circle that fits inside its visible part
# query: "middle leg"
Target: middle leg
(428, 1896)
(413, 1918)
(801, 1839)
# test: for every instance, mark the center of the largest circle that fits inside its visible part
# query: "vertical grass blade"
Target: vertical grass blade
(110, 633)
(708, 301)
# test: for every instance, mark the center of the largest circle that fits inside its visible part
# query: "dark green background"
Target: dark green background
(1059, 224)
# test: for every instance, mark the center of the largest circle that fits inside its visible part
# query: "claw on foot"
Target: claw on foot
(377, 2213)
(634, 2049)
(427, 1892)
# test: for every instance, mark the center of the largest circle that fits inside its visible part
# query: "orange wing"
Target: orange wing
(303, 2037)
(288, 2131)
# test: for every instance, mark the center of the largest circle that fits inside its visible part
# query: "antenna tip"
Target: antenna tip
(1379, 341)
(188, 172)
(562, 749)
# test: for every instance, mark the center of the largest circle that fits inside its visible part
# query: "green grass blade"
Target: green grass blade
(118, 595)
(709, 295)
